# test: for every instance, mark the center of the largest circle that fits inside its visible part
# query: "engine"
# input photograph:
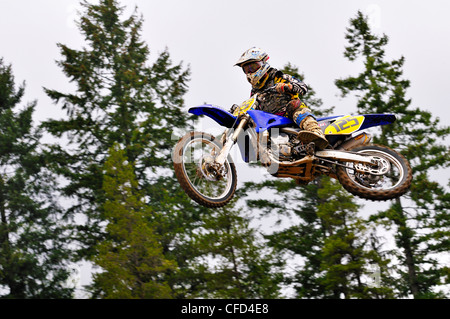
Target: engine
(280, 145)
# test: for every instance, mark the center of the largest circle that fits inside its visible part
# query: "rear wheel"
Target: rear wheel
(206, 182)
(391, 178)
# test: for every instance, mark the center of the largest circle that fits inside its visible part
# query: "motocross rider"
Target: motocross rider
(284, 100)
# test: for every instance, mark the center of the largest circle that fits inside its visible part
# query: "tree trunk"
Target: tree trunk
(405, 235)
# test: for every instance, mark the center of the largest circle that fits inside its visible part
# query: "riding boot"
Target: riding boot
(311, 131)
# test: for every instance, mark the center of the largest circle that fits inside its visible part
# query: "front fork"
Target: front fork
(228, 143)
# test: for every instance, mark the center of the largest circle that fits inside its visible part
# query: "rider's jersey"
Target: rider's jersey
(274, 102)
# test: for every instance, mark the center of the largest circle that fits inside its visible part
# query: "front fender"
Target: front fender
(219, 115)
(226, 119)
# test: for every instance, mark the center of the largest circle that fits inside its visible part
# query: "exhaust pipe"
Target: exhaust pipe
(358, 140)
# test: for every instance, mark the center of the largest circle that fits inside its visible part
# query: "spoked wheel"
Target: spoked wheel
(390, 178)
(206, 182)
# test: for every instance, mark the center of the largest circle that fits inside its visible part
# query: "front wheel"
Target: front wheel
(391, 178)
(207, 183)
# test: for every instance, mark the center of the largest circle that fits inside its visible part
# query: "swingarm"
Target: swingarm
(345, 156)
(364, 164)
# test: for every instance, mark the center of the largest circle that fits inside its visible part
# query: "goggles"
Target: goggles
(251, 67)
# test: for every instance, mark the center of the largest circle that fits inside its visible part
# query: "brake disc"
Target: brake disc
(210, 170)
(381, 168)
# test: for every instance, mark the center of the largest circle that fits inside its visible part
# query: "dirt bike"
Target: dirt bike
(206, 172)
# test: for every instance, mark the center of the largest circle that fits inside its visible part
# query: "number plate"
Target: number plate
(345, 125)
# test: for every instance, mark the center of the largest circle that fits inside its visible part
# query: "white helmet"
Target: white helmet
(255, 66)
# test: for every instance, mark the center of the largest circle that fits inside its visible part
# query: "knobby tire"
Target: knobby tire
(375, 194)
(184, 180)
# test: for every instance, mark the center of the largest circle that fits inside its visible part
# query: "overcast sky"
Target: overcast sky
(210, 35)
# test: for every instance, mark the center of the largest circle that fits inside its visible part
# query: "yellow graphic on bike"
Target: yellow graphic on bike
(345, 125)
(245, 106)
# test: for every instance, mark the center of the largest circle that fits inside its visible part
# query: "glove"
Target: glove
(284, 88)
(233, 108)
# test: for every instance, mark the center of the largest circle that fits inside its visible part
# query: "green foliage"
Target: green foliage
(310, 99)
(33, 235)
(336, 249)
(331, 242)
(118, 99)
(380, 88)
(229, 259)
(131, 257)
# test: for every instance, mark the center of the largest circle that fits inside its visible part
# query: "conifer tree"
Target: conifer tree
(421, 217)
(34, 258)
(310, 99)
(229, 259)
(330, 241)
(329, 237)
(118, 98)
(131, 259)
